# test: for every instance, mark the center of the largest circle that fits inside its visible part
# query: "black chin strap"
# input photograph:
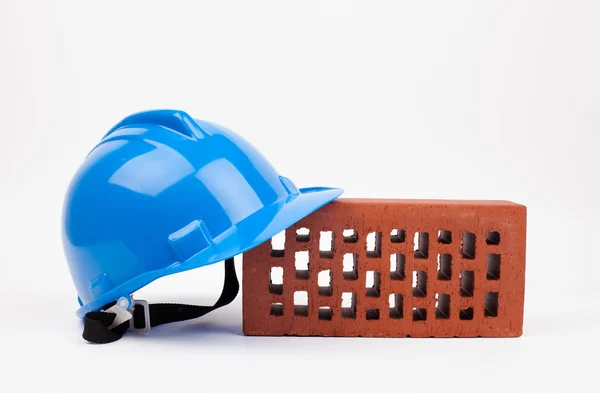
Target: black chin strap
(96, 325)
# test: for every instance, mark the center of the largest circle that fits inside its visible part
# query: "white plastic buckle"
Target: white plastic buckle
(122, 314)
(146, 328)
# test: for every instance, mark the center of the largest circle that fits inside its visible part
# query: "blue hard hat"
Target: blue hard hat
(163, 193)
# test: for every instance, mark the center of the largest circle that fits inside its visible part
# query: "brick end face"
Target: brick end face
(392, 268)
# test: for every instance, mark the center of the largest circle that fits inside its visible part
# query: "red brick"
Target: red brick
(479, 218)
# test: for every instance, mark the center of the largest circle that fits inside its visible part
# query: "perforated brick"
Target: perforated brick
(392, 268)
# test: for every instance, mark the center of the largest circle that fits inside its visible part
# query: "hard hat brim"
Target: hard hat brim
(245, 235)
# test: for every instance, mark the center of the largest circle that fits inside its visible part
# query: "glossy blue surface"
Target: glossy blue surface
(163, 193)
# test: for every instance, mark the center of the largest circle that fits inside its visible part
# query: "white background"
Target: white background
(438, 99)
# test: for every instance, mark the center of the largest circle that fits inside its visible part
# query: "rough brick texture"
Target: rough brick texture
(469, 263)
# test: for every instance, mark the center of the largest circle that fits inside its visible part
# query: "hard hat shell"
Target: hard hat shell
(163, 193)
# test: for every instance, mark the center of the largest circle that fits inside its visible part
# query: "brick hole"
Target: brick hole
(397, 266)
(301, 303)
(350, 235)
(419, 284)
(278, 245)
(276, 280)
(303, 235)
(373, 283)
(467, 245)
(467, 283)
(444, 267)
(490, 304)
(325, 313)
(444, 237)
(348, 305)
(374, 245)
(442, 306)
(419, 314)
(396, 303)
(466, 314)
(493, 266)
(326, 244)
(492, 238)
(324, 280)
(277, 309)
(398, 236)
(301, 264)
(350, 266)
(372, 314)
(421, 245)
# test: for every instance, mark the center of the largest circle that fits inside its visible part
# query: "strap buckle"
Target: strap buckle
(121, 312)
(141, 313)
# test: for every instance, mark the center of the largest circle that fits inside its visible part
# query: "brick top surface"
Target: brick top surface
(389, 201)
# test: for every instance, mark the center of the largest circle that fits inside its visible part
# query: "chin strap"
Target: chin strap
(110, 324)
